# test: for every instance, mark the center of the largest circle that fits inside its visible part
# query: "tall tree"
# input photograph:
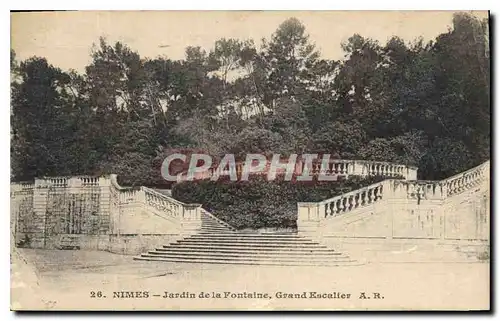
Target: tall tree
(43, 120)
(288, 57)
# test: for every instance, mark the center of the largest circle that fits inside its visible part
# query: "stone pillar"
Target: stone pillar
(388, 203)
(191, 219)
(308, 218)
(104, 205)
(40, 195)
(411, 173)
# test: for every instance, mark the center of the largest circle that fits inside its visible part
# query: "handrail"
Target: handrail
(160, 195)
(352, 200)
(354, 192)
(22, 186)
(459, 175)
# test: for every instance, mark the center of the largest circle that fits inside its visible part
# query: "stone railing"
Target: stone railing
(336, 167)
(89, 180)
(156, 202)
(463, 181)
(396, 191)
(22, 186)
(451, 186)
(351, 201)
(52, 181)
(342, 204)
(163, 203)
(73, 181)
(364, 168)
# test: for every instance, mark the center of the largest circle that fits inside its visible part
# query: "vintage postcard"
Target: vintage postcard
(250, 160)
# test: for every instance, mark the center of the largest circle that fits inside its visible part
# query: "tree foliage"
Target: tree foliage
(419, 103)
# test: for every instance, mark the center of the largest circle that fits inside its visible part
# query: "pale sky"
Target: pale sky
(66, 38)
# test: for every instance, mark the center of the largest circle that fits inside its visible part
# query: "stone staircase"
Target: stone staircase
(218, 243)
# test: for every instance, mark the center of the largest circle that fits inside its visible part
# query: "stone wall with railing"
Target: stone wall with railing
(456, 208)
(144, 218)
(96, 213)
(44, 213)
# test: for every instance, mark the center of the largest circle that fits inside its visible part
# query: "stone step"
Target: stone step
(235, 238)
(236, 246)
(225, 258)
(250, 242)
(242, 262)
(251, 250)
(244, 235)
(247, 242)
(248, 253)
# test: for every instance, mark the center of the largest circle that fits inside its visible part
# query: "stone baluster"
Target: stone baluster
(379, 192)
(371, 196)
(341, 206)
(334, 207)
(328, 209)
(350, 168)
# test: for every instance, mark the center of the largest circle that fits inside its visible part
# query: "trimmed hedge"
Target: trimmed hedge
(258, 203)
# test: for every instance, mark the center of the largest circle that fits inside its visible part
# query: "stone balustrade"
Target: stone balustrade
(52, 182)
(22, 186)
(420, 190)
(468, 179)
(155, 200)
(363, 168)
(391, 189)
(351, 201)
(342, 204)
(89, 180)
(454, 185)
(335, 167)
(74, 181)
(163, 203)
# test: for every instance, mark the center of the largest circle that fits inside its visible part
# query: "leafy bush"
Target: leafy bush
(259, 203)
